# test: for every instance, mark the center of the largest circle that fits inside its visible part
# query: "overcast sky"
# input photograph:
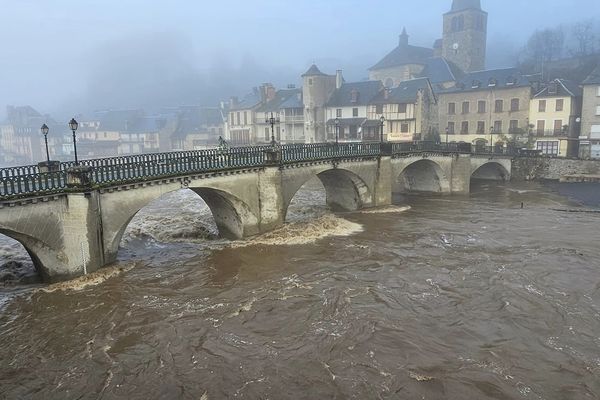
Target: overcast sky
(64, 56)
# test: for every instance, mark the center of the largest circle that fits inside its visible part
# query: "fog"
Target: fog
(73, 56)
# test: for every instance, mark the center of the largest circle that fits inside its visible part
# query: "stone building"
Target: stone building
(486, 107)
(286, 106)
(241, 119)
(316, 90)
(554, 118)
(409, 111)
(348, 106)
(589, 144)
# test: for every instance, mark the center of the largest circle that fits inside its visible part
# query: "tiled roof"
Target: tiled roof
(281, 97)
(406, 92)
(440, 70)
(563, 88)
(496, 79)
(594, 78)
(364, 93)
(402, 55)
(313, 71)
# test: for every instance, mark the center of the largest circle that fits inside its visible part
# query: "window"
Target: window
(541, 127)
(267, 136)
(232, 119)
(595, 132)
(492, 82)
(542, 106)
(464, 127)
(481, 106)
(497, 126)
(310, 81)
(404, 128)
(238, 117)
(558, 125)
(548, 147)
(499, 106)
(560, 105)
(402, 108)
(338, 113)
(513, 126)
(465, 107)
(355, 112)
(480, 127)
(597, 110)
(245, 118)
(598, 91)
(451, 128)
(379, 109)
(354, 96)
(451, 108)
(514, 105)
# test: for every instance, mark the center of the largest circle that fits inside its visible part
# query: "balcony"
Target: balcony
(549, 133)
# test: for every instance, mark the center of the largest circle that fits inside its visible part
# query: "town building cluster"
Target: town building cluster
(440, 94)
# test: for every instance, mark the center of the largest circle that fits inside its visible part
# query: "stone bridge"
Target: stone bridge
(71, 220)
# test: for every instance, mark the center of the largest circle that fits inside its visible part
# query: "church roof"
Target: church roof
(405, 92)
(313, 71)
(594, 78)
(461, 5)
(365, 92)
(440, 70)
(506, 78)
(404, 54)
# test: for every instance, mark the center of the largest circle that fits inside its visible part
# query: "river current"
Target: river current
(495, 295)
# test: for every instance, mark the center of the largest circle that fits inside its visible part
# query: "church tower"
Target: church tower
(465, 35)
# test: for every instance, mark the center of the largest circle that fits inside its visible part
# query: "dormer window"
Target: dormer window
(476, 84)
(354, 96)
(553, 88)
(510, 81)
(492, 82)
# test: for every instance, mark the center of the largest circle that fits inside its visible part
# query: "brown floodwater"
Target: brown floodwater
(466, 297)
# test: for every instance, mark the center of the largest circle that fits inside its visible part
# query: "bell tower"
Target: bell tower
(465, 35)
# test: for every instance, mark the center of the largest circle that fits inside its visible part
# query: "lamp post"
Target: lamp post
(491, 139)
(337, 131)
(447, 132)
(272, 120)
(382, 120)
(45, 131)
(74, 125)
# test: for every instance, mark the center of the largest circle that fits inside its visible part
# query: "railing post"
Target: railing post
(273, 155)
(79, 177)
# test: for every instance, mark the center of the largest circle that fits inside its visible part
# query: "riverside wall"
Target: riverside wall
(530, 169)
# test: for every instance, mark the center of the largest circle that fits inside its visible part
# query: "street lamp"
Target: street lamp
(491, 139)
(272, 120)
(382, 120)
(447, 132)
(74, 125)
(45, 131)
(337, 131)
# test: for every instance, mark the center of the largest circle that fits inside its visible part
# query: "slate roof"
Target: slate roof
(366, 91)
(405, 92)
(118, 120)
(313, 71)
(281, 97)
(440, 70)
(496, 79)
(563, 88)
(460, 5)
(402, 55)
(594, 78)
(249, 101)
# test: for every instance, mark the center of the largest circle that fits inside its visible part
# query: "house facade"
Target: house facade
(589, 141)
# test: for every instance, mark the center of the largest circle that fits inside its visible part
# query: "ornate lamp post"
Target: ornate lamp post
(272, 120)
(491, 139)
(74, 125)
(382, 120)
(45, 131)
(337, 130)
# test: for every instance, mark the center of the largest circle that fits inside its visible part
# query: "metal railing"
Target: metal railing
(26, 181)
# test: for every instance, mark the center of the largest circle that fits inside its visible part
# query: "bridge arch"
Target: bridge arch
(423, 175)
(490, 170)
(344, 189)
(233, 217)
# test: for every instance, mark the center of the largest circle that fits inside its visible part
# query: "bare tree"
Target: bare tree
(585, 38)
(543, 47)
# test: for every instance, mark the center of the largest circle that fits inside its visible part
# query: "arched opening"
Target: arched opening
(343, 191)
(193, 214)
(491, 171)
(308, 203)
(423, 176)
(18, 264)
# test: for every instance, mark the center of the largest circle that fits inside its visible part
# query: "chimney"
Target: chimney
(339, 79)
